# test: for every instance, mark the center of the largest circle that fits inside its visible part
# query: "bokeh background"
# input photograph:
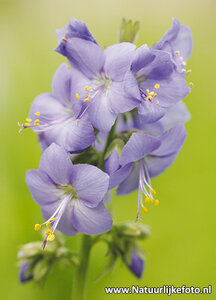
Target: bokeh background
(181, 249)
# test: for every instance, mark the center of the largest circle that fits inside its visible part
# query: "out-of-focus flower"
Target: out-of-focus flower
(35, 263)
(100, 76)
(70, 195)
(154, 80)
(177, 41)
(74, 28)
(136, 265)
(122, 243)
(24, 274)
(143, 157)
(54, 116)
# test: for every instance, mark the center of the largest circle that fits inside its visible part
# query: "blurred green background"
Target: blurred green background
(182, 248)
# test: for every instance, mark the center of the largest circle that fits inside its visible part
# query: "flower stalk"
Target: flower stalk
(80, 274)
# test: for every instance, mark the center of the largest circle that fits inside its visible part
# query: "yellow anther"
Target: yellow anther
(64, 38)
(50, 237)
(153, 192)
(181, 59)
(156, 102)
(156, 202)
(37, 227)
(48, 232)
(147, 200)
(87, 89)
(184, 63)
(150, 93)
(189, 71)
(177, 52)
(28, 120)
(145, 209)
(77, 96)
(48, 224)
(87, 99)
(149, 98)
(37, 114)
(157, 86)
(52, 219)
(191, 84)
(27, 124)
(36, 122)
(155, 95)
(183, 71)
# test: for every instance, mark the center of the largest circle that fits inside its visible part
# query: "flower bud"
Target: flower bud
(25, 273)
(132, 229)
(128, 31)
(136, 265)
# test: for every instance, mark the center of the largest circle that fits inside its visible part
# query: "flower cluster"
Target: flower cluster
(114, 118)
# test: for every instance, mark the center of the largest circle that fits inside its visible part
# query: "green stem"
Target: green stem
(108, 141)
(79, 285)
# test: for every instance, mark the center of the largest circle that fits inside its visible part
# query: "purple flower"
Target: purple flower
(74, 28)
(100, 78)
(143, 157)
(154, 80)
(54, 116)
(137, 265)
(23, 273)
(70, 195)
(178, 42)
(176, 114)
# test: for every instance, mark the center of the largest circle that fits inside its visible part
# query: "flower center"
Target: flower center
(69, 189)
(104, 81)
(101, 84)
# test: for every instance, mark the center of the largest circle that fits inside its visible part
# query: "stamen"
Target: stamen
(156, 202)
(191, 85)
(49, 231)
(147, 200)
(37, 114)
(153, 192)
(54, 220)
(50, 237)
(37, 227)
(177, 52)
(87, 89)
(36, 122)
(65, 38)
(87, 99)
(77, 96)
(145, 209)
(157, 86)
(28, 120)
(48, 224)
(145, 188)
